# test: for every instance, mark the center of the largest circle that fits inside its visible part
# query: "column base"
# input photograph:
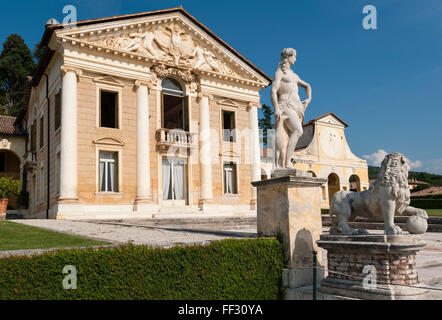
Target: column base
(203, 202)
(68, 200)
(144, 205)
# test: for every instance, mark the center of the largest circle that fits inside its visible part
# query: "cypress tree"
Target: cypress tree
(16, 63)
(265, 122)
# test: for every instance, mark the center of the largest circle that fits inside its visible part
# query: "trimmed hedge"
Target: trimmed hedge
(245, 269)
(426, 203)
(430, 196)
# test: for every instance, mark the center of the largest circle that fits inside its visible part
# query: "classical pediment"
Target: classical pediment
(329, 119)
(110, 81)
(109, 141)
(170, 40)
(228, 102)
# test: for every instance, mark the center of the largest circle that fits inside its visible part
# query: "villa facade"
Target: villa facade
(141, 115)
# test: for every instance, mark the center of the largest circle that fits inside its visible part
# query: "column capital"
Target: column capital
(201, 95)
(253, 105)
(65, 69)
(140, 83)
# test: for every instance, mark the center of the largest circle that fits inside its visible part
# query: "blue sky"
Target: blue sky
(385, 83)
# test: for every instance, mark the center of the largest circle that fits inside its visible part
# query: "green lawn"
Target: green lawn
(15, 236)
(434, 212)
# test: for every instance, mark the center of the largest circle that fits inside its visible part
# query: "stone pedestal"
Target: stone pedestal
(372, 267)
(290, 206)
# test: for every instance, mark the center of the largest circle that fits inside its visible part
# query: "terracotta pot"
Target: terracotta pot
(3, 205)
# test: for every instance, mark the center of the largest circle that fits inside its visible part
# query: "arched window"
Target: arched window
(355, 183)
(333, 186)
(175, 109)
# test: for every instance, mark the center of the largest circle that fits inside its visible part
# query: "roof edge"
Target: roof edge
(49, 30)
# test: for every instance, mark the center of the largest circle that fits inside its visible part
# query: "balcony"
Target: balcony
(176, 138)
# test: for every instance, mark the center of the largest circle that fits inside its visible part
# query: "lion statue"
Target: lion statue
(388, 196)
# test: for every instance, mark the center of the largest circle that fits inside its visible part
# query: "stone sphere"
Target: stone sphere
(417, 225)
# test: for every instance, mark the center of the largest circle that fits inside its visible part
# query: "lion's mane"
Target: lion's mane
(394, 176)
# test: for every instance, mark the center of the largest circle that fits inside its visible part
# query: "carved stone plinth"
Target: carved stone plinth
(277, 173)
(372, 267)
(290, 206)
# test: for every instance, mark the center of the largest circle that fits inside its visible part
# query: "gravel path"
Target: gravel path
(125, 234)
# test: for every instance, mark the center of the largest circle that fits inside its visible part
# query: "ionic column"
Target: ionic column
(143, 150)
(255, 150)
(68, 145)
(205, 157)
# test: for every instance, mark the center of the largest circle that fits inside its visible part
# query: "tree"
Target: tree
(39, 52)
(266, 123)
(16, 63)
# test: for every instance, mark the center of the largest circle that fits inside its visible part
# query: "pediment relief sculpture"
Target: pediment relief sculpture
(170, 43)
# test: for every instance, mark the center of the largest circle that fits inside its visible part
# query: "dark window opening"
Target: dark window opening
(2, 162)
(175, 107)
(57, 111)
(109, 109)
(229, 126)
(42, 122)
(34, 136)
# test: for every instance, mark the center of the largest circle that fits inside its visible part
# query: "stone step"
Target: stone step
(13, 216)
(208, 223)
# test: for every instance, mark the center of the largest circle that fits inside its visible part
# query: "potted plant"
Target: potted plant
(9, 187)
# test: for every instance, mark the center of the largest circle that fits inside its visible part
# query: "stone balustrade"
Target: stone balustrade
(176, 137)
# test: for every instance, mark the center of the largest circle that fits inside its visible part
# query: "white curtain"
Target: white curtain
(108, 172)
(229, 181)
(111, 177)
(102, 177)
(178, 179)
(166, 179)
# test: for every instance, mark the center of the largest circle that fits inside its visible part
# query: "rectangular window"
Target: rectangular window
(230, 186)
(228, 126)
(42, 184)
(109, 109)
(42, 130)
(108, 171)
(2, 162)
(34, 136)
(57, 173)
(57, 111)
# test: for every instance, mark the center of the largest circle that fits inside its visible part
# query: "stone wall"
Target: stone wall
(390, 268)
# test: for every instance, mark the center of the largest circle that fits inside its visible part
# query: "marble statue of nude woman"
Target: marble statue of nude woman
(289, 109)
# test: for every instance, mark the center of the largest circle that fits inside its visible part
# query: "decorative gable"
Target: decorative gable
(165, 40)
(110, 81)
(330, 119)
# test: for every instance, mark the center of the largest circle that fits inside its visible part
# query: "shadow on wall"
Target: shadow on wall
(303, 250)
